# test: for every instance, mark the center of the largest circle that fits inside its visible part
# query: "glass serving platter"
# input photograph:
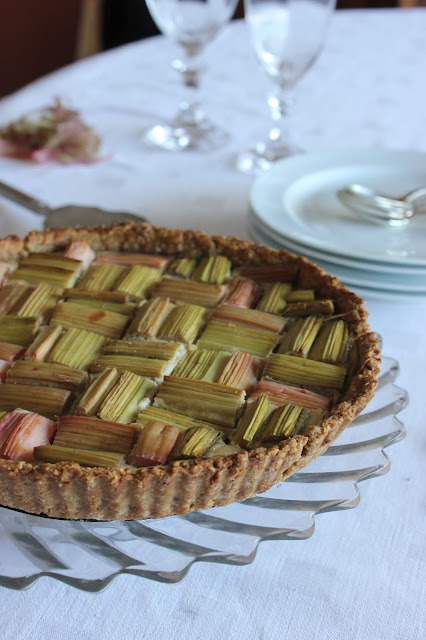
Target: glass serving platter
(88, 555)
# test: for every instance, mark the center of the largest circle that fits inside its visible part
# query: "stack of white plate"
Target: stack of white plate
(294, 206)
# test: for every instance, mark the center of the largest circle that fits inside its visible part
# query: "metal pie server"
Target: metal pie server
(69, 215)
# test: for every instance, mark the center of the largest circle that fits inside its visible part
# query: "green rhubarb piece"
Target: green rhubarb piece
(304, 372)
(219, 336)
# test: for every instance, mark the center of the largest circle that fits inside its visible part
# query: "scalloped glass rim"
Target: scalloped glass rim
(89, 555)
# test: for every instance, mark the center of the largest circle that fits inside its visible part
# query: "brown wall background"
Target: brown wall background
(36, 36)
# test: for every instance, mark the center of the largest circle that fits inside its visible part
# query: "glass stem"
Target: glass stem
(190, 113)
(280, 102)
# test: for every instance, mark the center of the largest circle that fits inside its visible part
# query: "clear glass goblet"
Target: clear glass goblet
(191, 24)
(288, 36)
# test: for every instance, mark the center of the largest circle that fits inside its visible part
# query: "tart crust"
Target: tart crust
(68, 490)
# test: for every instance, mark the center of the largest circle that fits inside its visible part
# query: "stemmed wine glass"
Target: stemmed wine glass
(191, 24)
(288, 36)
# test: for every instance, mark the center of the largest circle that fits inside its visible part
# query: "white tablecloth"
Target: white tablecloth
(362, 575)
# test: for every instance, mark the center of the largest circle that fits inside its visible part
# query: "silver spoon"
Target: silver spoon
(69, 215)
(379, 208)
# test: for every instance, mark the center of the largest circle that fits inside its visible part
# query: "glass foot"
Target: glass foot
(204, 136)
(261, 158)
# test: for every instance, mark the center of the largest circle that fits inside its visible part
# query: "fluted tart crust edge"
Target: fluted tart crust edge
(71, 491)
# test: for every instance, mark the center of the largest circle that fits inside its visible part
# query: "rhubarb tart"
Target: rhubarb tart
(148, 372)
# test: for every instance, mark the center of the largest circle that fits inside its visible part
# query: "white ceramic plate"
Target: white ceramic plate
(360, 277)
(365, 290)
(352, 277)
(297, 199)
(346, 261)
